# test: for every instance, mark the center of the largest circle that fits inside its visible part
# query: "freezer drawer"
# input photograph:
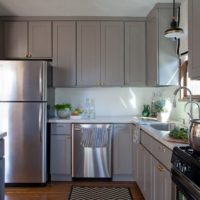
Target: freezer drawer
(91, 150)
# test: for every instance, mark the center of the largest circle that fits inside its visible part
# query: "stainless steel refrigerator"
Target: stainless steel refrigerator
(23, 108)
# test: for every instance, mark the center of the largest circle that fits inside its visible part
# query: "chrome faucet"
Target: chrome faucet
(193, 102)
(190, 99)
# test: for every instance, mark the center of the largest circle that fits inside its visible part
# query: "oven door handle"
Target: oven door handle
(189, 189)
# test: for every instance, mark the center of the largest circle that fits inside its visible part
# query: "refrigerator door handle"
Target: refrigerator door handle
(41, 83)
(40, 121)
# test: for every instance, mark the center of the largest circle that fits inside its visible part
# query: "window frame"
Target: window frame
(183, 79)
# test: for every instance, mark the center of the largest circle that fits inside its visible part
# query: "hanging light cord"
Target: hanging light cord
(174, 9)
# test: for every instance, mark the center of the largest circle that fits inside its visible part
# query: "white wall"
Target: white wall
(119, 101)
(108, 101)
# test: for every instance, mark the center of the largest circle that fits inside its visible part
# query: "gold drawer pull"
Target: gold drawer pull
(160, 168)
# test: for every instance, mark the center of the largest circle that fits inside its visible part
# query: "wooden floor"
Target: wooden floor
(61, 190)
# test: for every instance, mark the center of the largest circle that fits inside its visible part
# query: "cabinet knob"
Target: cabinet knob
(160, 168)
(26, 55)
(102, 83)
(30, 56)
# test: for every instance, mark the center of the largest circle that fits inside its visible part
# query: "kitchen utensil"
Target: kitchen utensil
(194, 134)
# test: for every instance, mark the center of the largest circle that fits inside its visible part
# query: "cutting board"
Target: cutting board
(170, 139)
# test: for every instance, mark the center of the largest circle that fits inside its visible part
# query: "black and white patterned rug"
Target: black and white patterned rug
(100, 193)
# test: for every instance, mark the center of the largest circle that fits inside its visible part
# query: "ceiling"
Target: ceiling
(132, 8)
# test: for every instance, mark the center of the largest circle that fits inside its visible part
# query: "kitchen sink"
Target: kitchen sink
(163, 126)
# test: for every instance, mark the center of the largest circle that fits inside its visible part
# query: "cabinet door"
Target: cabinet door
(140, 179)
(88, 53)
(152, 48)
(15, 39)
(112, 53)
(40, 39)
(123, 148)
(147, 175)
(60, 154)
(64, 54)
(161, 182)
(194, 39)
(135, 54)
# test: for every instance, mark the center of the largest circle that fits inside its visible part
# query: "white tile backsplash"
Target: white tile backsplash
(115, 101)
(120, 101)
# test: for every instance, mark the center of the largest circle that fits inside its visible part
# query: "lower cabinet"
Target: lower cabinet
(60, 159)
(152, 176)
(122, 152)
(161, 182)
(144, 171)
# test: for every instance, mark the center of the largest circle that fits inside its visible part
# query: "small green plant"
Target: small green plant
(63, 106)
(159, 105)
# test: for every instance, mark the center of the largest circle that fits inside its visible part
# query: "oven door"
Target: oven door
(185, 189)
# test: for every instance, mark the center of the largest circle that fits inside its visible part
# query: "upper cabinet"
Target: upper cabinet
(100, 53)
(27, 39)
(135, 53)
(194, 38)
(88, 53)
(162, 60)
(64, 53)
(112, 53)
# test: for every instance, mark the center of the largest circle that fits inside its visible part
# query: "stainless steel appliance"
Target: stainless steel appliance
(194, 134)
(91, 150)
(185, 173)
(23, 105)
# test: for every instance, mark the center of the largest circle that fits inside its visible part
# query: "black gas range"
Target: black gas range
(186, 173)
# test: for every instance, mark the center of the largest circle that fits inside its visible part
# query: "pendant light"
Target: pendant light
(174, 31)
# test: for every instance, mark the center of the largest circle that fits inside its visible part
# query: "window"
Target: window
(193, 85)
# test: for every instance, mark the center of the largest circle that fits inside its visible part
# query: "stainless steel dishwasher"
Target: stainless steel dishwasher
(91, 150)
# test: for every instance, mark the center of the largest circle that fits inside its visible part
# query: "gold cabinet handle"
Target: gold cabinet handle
(160, 168)
(141, 147)
(30, 56)
(26, 55)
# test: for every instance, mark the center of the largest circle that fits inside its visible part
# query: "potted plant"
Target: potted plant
(63, 110)
(161, 110)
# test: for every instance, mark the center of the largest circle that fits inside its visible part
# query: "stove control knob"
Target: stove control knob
(184, 169)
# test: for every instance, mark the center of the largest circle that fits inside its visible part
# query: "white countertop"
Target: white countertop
(2, 135)
(99, 119)
(158, 135)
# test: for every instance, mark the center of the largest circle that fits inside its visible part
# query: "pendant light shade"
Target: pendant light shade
(174, 31)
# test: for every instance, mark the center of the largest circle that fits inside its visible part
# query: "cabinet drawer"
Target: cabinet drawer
(1, 148)
(146, 140)
(162, 153)
(61, 128)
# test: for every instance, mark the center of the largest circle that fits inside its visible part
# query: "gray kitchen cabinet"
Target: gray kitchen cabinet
(24, 39)
(144, 171)
(161, 181)
(64, 53)
(100, 53)
(162, 60)
(194, 39)
(60, 152)
(135, 53)
(88, 53)
(153, 169)
(122, 152)
(40, 39)
(2, 169)
(15, 39)
(112, 53)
